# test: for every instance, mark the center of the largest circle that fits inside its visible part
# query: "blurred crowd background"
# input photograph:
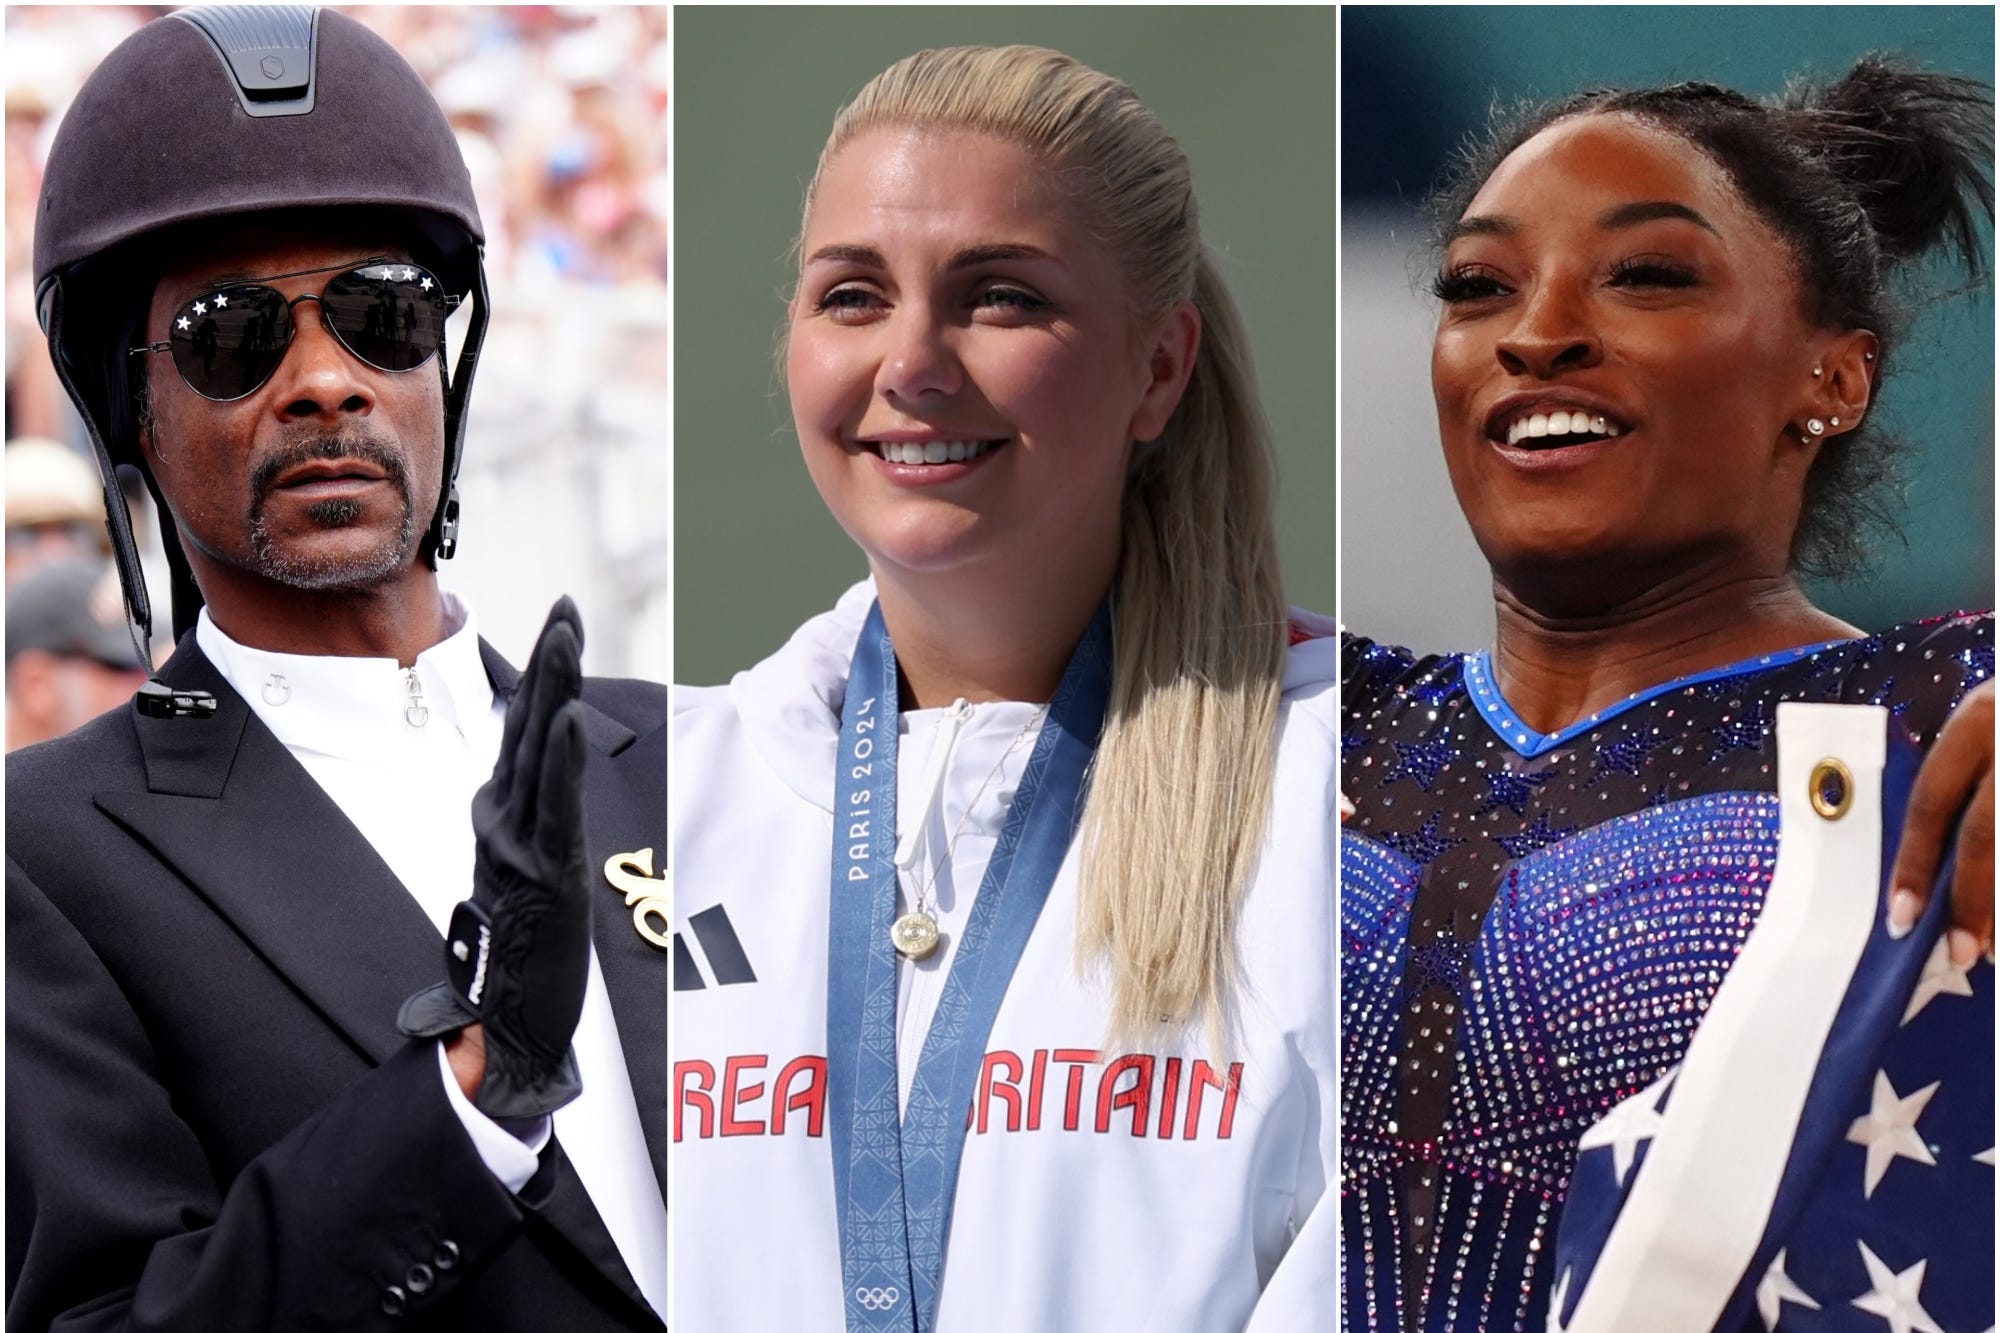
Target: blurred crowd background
(1415, 81)
(561, 113)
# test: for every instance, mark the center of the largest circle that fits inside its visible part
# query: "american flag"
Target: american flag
(1874, 1214)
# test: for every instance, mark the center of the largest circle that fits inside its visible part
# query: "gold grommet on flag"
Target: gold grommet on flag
(1830, 788)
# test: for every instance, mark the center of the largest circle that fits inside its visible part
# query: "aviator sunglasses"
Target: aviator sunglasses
(229, 339)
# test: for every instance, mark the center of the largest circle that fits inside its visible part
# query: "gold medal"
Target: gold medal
(915, 935)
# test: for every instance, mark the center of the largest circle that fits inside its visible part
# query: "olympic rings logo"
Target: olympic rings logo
(877, 1298)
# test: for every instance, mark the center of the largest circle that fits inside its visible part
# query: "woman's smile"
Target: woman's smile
(930, 457)
(1548, 431)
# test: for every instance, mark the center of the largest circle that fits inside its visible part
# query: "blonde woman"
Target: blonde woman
(1003, 892)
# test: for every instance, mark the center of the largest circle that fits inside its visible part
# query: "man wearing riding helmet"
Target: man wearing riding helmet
(243, 1091)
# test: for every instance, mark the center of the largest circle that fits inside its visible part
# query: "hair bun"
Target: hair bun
(1917, 148)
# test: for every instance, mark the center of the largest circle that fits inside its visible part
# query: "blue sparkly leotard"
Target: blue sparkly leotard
(1531, 927)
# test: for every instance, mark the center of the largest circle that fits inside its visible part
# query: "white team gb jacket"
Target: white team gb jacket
(1172, 1190)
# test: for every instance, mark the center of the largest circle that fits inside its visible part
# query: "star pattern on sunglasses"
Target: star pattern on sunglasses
(389, 314)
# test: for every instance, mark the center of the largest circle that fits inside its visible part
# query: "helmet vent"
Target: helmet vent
(268, 51)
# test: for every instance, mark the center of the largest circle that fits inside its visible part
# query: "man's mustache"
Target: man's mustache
(309, 446)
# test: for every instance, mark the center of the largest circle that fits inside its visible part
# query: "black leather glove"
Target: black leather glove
(517, 955)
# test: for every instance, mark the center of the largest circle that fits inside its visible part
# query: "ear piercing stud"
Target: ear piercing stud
(1816, 426)
(1815, 372)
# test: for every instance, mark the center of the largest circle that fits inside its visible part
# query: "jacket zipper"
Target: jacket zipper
(414, 711)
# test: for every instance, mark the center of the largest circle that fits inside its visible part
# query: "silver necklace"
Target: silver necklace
(915, 933)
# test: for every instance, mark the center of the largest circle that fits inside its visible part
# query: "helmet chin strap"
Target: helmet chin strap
(117, 514)
(443, 537)
(154, 698)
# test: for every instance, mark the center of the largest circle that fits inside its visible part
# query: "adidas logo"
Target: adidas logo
(719, 948)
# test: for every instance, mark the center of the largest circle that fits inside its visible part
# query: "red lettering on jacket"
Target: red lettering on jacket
(698, 1098)
(1137, 1098)
(1170, 1091)
(734, 1096)
(811, 1098)
(1015, 1082)
(1039, 1072)
(1076, 1058)
(1203, 1075)
(991, 1086)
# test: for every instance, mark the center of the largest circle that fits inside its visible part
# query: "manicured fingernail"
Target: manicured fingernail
(1346, 806)
(1964, 948)
(1903, 910)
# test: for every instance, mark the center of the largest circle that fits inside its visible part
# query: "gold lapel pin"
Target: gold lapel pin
(631, 873)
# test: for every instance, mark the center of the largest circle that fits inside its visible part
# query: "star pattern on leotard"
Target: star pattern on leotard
(1423, 845)
(1440, 685)
(1441, 961)
(1537, 834)
(1885, 697)
(1828, 672)
(1742, 730)
(1382, 655)
(1514, 790)
(1624, 755)
(1420, 761)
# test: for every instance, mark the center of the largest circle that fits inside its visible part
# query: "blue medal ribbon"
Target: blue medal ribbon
(894, 1175)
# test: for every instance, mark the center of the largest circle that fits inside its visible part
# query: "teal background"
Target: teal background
(1415, 81)
(1249, 93)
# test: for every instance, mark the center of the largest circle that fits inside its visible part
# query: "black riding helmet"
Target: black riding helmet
(213, 113)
